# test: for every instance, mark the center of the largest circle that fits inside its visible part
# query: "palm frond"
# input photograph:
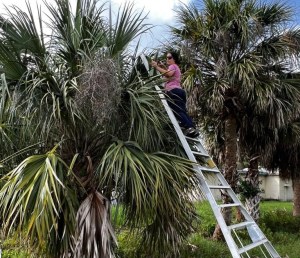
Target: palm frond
(22, 31)
(6, 135)
(15, 142)
(76, 36)
(11, 64)
(33, 196)
(22, 46)
(128, 26)
(276, 13)
(156, 189)
(47, 103)
(146, 116)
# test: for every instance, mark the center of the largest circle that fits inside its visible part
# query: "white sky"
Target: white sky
(159, 10)
(161, 13)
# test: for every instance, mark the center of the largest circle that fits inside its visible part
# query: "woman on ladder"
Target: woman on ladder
(176, 96)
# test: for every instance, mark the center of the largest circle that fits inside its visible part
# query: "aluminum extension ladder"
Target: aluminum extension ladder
(244, 239)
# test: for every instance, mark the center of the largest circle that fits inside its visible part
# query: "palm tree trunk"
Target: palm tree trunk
(252, 202)
(296, 191)
(239, 215)
(230, 172)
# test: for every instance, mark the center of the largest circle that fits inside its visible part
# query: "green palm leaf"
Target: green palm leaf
(156, 190)
(146, 116)
(6, 134)
(34, 197)
(22, 44)
(76, 36)
(128, 26)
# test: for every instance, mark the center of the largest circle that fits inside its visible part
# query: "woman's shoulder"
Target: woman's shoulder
(174, 67)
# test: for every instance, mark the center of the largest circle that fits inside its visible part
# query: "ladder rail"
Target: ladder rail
(232, 246)
(226, 230)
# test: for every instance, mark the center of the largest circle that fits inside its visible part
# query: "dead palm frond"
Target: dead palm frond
(94, 231)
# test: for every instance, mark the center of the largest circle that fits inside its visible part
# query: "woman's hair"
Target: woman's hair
(175, 56)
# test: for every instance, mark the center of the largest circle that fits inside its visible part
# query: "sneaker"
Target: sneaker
(192, 132)
(181, 126)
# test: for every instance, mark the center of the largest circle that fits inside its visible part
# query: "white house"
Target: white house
(272, 186)
(275, 188)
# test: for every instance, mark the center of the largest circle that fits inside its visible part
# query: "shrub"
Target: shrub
(281, 220)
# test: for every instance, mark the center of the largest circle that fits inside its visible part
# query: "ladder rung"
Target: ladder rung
(219, 186)
(200, 154)
(229, 205)
(251, 246)
(209, 169)
(192, 139)
(241, 225)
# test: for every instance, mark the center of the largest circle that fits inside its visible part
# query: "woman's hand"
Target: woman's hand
(162, 69)
(154, 64)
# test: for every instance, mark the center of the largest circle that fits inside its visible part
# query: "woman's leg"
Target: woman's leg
(177, 102)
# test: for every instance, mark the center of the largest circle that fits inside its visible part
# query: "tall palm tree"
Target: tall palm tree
(82, 128)
(259, 131)
(233, 48)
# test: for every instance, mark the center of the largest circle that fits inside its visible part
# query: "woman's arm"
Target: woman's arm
(163, 71)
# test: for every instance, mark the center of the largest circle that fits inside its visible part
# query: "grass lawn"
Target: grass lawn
(277, 223)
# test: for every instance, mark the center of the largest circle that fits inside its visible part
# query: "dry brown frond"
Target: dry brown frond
(94, 233)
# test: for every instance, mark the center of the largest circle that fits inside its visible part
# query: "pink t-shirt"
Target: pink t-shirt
(174, 81)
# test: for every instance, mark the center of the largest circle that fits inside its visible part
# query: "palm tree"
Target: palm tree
(81, 129)
(233, 48)
(259, 131)
(285, 158)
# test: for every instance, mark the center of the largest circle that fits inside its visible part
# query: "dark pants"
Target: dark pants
(176, 99)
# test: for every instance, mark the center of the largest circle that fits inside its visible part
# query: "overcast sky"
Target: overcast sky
(161, 13)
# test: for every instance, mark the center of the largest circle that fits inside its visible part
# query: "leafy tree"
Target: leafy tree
(80, 129)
